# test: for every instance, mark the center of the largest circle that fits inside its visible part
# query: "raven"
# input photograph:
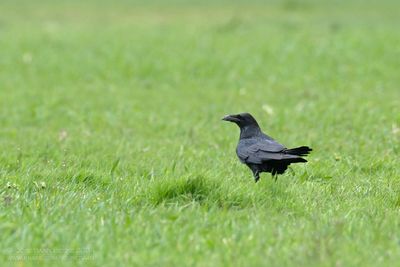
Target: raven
(260, 152)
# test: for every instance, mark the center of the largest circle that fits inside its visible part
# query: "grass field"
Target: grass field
(113, 152)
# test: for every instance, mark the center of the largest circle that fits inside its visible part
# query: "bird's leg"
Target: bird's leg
(256, 176)
(274, 176)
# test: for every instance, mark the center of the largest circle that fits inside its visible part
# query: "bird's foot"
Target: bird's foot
(256, 176)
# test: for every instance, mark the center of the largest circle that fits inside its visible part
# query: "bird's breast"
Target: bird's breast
(240, 155)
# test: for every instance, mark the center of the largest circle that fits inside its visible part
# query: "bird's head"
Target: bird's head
(242, 120)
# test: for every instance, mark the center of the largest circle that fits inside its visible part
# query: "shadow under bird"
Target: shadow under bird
(260, 152)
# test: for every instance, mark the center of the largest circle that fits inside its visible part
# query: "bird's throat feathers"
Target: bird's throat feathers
(249, 131)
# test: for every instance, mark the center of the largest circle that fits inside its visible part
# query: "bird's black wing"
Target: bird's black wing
(259, 150)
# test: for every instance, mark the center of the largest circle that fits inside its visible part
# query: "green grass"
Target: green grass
(112, 151)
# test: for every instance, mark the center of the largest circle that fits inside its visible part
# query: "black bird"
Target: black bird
(260, 152)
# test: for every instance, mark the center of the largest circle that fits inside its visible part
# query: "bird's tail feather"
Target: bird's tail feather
(294, 159)
(299, 151)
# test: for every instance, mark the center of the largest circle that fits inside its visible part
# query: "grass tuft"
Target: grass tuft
(182, 190)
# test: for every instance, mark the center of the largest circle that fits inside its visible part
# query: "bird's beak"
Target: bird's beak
(231, 118)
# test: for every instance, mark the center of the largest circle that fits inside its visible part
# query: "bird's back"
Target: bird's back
(257, 149)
